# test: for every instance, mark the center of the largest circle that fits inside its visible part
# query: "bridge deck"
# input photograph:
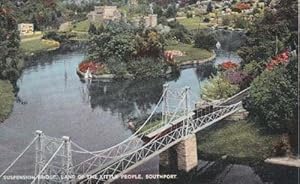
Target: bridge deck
(169, 125)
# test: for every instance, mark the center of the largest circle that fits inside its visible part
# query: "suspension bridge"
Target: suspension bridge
(61, 160)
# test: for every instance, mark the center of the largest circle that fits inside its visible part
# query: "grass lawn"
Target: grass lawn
(7, 99)
(81, 36)
(193, 23)
(82, 26)
(191, 53)
(237, 139)
(33, 46)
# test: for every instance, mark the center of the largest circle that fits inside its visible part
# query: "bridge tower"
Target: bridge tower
(186, 149)
(54, 159)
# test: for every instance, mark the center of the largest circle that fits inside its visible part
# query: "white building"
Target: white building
(26, 29)
(104, 13)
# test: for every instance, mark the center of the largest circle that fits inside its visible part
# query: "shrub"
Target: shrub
(60, 37)
(273, 97)
(253, 68)
(204, 40)
(92, 29)
(189, 14)
(171, 11)
(218, 87)
(179, 32)
(240, 22)
(147, 67)
(239, 78)
(117, 67)
(206, 20)
(226, 20)
(282, 147)
(163, 20)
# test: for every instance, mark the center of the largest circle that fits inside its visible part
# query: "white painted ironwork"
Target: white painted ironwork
(158, 145)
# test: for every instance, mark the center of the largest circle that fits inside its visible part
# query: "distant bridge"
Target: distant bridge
(60, 160)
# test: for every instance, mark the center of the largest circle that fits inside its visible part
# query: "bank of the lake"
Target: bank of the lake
(7, 99)
(236, 139)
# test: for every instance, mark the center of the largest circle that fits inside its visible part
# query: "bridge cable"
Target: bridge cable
(22, 153)
(129, 138)
(46, 165)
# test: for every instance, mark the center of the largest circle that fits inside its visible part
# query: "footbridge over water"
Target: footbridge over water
(60, 160)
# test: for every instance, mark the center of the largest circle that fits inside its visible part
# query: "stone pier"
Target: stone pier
(185, 155)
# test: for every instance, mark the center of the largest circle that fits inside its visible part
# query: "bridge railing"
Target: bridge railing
(160, 143)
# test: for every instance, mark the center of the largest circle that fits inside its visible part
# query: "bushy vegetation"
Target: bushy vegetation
(179, 33)
(204, 40)
(10, 59)
(261, 40)
(218, 87)
(59, 37)
(273, 94)
(273, 97)
(43, 14)
(128, 49)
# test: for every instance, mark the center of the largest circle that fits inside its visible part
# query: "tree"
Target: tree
(209, 8)
(117, 39)
(204, 40)
(274, 31)
(157, 10)
(171, 11)
(218, 87)
(10, 59)
(121, 47)
(43, 14)
(179, 32)
(92, 29)
(273, 97)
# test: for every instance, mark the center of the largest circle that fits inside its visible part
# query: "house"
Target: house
(104, 14)
(26, 29)
(150, 20)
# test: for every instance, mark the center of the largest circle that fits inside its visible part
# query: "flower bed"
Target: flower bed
(94, 67)
(171, 54)
(228, 65)
(242, 6)
(282, 58)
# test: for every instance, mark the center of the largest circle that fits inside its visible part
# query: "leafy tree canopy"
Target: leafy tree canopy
(277, 28)
(10, 62)
(273, 97)
(125, 42)
(218, 87)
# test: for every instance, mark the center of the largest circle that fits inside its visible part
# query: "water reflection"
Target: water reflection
(129, 98)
